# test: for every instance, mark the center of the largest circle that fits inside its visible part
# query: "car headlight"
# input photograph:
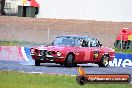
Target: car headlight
(58, 53)
(32, 50)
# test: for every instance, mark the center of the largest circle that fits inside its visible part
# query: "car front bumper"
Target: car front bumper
(46, 57)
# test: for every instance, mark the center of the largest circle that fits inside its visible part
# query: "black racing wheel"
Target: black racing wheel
(69, 60)
(104, 61)
(37, 62)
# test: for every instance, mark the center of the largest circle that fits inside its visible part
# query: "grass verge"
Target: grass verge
(9, 79)
(16, 43)
(123, 51)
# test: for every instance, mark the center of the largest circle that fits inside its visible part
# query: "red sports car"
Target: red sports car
(70, 50)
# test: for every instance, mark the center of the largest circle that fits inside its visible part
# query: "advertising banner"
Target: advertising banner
(122, 60)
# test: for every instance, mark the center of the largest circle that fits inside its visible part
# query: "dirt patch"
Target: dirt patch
(36, 30)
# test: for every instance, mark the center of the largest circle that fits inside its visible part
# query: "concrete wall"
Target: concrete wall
(104, 10)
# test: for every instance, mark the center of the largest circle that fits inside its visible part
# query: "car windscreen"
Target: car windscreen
(66, 41)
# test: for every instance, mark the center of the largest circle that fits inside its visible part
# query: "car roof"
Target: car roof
(74, 36)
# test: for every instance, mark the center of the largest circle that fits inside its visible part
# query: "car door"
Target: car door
(89, 49)
(83, 53)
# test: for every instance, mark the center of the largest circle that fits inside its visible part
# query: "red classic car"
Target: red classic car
(70, 50)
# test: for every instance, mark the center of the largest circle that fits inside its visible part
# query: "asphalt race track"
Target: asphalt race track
(48, 68)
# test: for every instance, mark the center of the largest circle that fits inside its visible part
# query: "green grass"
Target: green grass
(16, 43)
(123, 51)
(10, 79)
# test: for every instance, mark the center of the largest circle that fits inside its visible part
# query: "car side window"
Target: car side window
(95, 43)
(84, 43)
(99, 44)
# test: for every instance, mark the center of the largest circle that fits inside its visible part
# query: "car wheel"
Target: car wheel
(69, 60)
(104, 61)
(37, 62)
(61, 64)
(75, 64)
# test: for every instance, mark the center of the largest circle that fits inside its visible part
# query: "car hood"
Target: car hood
(54, 48)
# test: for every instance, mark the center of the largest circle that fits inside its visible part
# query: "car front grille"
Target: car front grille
(43, 52)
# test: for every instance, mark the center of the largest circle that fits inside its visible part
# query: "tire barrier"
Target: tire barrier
(16, 53)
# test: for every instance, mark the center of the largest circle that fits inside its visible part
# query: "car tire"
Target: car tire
(61, 64)
(37, 62)
(104, 61)
(69, 60)
(75, 64)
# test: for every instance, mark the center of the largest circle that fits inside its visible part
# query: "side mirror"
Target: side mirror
(100, 44)
(52, 43)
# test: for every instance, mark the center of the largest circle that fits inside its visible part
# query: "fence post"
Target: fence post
(48, 32)
(49, 27)
(121, 42)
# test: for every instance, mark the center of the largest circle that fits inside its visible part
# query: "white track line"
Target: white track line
(48, 73)
(24, 54)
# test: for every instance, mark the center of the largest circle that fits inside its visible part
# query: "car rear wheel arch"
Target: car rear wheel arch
(106, 54)
(70, 53)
